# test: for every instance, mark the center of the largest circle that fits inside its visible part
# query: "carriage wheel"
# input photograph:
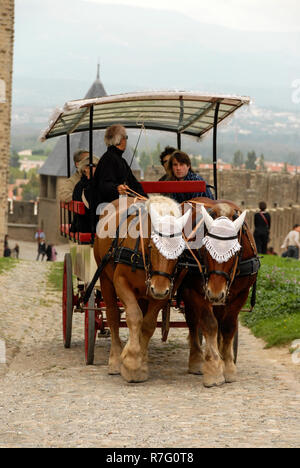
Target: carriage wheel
(90, 330)
(67, 301)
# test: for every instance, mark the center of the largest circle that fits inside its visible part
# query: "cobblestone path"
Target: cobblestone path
(50, 398)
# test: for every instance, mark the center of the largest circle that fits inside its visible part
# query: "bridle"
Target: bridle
(148, 266)
(232, 274)
(150, 273)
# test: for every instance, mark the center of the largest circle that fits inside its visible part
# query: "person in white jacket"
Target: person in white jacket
(66, 190)
(292, 243)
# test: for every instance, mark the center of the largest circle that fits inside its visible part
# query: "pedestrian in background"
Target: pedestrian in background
(292, 243)
(41, 250)
(7, 250)
(16, 251)
(262, 225)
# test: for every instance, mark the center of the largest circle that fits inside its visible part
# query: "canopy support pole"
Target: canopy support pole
(179, 140)
(68, 156)
(91, 201)
(215, 149)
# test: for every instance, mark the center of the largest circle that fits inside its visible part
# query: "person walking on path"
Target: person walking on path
(41, 250)
(39, 235)
(292, 243)
(7, 250)
(262, 225)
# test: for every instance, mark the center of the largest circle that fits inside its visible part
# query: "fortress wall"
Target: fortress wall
(6, 63)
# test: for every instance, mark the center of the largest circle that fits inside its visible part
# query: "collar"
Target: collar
(115, 150)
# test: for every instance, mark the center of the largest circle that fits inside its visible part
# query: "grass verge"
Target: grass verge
(55, 275)
(276, 316)
(7, 263)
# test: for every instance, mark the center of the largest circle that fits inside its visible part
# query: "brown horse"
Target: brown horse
(138, 274)
(215, 295)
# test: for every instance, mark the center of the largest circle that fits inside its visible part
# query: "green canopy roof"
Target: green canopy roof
(181, 112)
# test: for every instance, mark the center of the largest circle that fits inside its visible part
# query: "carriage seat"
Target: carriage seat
(67, 214)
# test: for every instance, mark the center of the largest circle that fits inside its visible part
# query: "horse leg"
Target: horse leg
(228, 325)
(199, 310)
(132, 369)
(196, 358)
(113, 320)
(148, 329)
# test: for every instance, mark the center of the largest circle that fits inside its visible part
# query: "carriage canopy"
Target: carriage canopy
(180, 112)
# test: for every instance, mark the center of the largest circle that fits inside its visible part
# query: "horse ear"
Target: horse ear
(238, 223)
(181, 222)
(155, 217)
(207, 218)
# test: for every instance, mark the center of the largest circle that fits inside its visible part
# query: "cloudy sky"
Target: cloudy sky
(252, 15)
(249, 47)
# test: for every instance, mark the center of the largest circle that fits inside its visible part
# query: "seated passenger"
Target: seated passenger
(82, 223)
(179, 168)
(164, 159)
(112, 172)
(65, 192)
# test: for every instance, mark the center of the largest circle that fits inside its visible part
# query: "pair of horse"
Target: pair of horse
(213, 296)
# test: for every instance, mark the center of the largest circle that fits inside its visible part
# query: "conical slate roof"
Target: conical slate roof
(56, 163)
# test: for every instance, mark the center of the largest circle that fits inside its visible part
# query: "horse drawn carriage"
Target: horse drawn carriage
(209, 286)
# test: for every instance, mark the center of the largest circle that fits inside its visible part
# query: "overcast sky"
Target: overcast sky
(254, 15)
(247, 47)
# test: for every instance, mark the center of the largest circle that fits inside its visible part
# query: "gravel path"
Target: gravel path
(50, 398)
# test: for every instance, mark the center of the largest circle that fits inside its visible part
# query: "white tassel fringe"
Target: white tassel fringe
(224, 257)
(167, 252)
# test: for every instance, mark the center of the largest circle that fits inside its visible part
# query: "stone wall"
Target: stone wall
(248, 188)
(6, 61)
(280, 191)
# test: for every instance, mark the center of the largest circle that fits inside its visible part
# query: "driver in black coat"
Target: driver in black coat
(112, 172)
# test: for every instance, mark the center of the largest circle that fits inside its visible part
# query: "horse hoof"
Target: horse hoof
(209, 381)
(195, 371)
(134, 376)
(230, 378)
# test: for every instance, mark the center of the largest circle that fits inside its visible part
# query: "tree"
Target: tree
(31, 191)
(145, 160)
(251, 160)
(261, 163)
(238, 159)
(15, 160)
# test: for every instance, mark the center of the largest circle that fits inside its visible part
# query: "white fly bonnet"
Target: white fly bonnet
(166, 233)
(221, 240)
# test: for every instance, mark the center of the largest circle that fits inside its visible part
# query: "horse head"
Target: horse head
(221, 247)
(166, 244)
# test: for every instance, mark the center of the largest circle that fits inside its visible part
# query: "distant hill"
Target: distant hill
(275, 134)
(57, 44)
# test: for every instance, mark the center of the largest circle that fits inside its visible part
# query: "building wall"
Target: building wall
(280, 191)
(248, 188)
(6, 61)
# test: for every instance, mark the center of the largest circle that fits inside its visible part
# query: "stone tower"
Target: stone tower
(6, 65)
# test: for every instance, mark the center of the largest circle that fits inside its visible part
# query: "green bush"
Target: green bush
(276, 316)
